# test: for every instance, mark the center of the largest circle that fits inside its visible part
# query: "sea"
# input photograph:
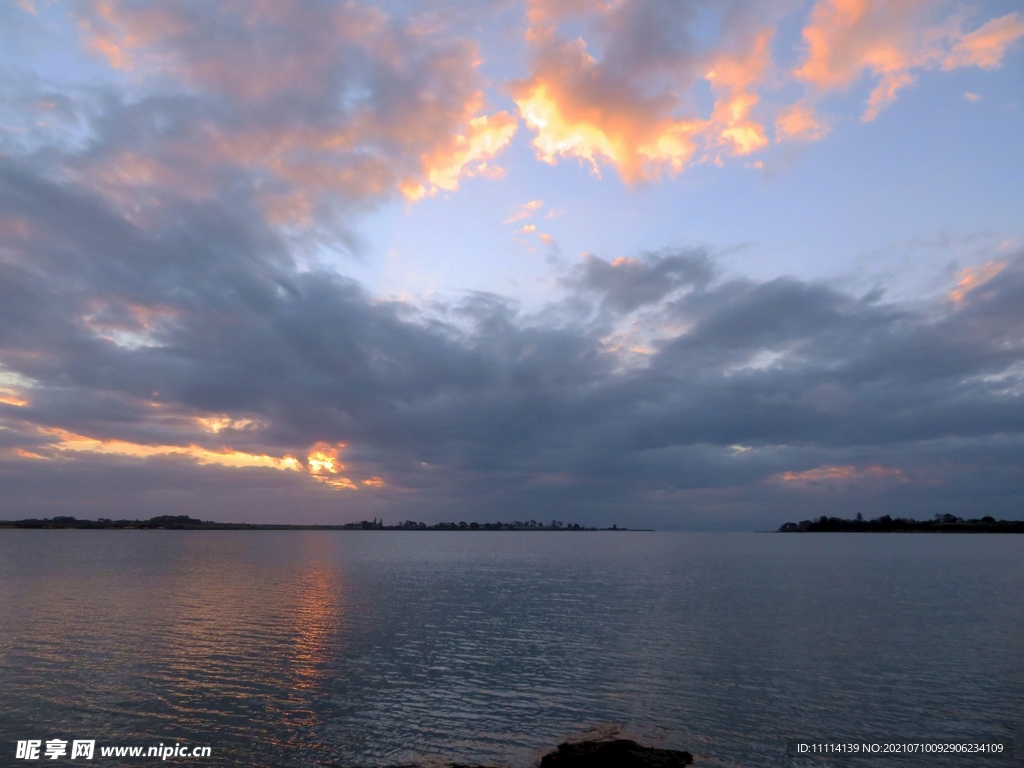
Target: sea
(383, 648)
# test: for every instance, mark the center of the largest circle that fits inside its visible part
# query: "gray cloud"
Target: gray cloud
(132, 331)
(626, 284)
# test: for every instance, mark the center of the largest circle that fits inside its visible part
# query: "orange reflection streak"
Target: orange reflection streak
(317, 616)
(225, 616)
(70, 441)
(836, 473)
(972, 277)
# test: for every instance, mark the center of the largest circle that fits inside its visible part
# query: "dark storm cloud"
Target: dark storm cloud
(133, 330)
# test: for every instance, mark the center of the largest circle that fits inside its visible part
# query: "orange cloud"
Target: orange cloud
(324, 459)
(734, 77)
(798, 121)
(620, 95)
(10, 453)
(846, 38)
(610, 111)
(985, 46)
(13, 387)
(972, 277)
(464, 155)
(524, 211)
(884, 93)
(834, 473)
(217, 424)
(323, 463)
(325, 466)
(304, 137)
(9, 396)
(70, 441)
(625, 102)
(336, 482)
(628, 102)
(629, 136)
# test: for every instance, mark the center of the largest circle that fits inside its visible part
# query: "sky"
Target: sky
(682, 264)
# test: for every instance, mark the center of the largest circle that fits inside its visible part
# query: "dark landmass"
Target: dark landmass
(886, 524)
(604, 753)
(619, 753)
(184, 522)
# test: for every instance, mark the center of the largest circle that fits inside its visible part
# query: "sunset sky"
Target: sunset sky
(667, 263)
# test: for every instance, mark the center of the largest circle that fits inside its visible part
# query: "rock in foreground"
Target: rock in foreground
(620, 753)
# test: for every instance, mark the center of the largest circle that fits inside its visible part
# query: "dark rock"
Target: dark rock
(618, 753)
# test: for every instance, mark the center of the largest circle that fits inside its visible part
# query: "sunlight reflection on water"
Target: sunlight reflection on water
(375, 648)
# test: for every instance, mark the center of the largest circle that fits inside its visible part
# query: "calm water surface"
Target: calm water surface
(375, 648)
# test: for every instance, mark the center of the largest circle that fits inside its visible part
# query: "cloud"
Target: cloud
(973, 277)
(625, 105)
(69, 441)
(986, 46)
(841, 474)
(799, 121)
(846, 38)
(623, 93)
(307, 105)
(628, 283)
(298, 383)
(524, 211)
(734, 78)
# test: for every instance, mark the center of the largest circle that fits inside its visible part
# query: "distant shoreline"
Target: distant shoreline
(887, 524)
(185, 523)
